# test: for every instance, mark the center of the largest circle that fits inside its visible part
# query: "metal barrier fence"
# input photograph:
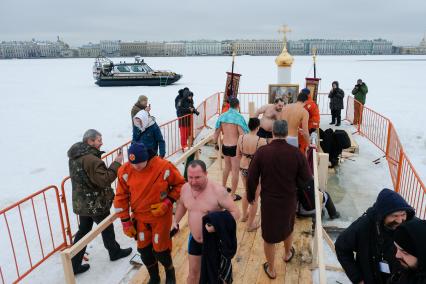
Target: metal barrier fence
(381, 132)
(35, 230)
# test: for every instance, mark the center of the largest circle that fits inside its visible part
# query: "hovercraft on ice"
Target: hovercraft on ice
(107, 73)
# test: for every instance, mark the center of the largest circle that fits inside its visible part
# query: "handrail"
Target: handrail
(68, 253)
(318, 244)
(381, 132)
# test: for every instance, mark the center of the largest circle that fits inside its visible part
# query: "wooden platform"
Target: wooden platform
(247, 263)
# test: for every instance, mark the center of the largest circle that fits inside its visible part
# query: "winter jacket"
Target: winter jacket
(91, 180)
(314, 115)
(336, 97)
(360, 92)
(138, 190)
(218, 248)
(370, 240)
(417, 230)
(151, 137)
(184, 108)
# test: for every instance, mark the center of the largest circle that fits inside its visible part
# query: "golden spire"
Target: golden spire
(284, 59)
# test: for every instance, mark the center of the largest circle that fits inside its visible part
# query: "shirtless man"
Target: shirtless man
(232, 124)
(199, 196)
(295, 114)
(270, 113)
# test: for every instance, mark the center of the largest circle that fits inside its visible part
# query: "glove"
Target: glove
(128, 228)
(174, 231)
(161, 208)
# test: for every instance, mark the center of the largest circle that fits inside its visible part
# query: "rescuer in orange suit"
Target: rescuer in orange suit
(148, 186)
(314, 118)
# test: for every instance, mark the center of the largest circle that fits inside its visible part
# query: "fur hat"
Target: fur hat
(142, 99)
(138, 153)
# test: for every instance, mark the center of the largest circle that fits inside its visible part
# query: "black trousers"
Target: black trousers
(108, 236)
(336, 115)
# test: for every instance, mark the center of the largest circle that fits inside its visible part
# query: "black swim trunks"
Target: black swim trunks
(263, 133)
(194, 247)
(230, 151)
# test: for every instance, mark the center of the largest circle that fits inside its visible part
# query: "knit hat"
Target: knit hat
(142, 99)
(388, 202)
(305, 91)
(138, 153)
(403, 239)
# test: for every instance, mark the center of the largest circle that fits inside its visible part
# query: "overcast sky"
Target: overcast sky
(82, 21)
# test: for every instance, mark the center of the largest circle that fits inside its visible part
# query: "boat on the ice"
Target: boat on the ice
(107, 73)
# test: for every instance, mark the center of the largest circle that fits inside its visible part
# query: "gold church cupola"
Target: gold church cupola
(284, 59)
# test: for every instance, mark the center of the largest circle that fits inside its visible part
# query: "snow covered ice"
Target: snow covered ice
(47, 104)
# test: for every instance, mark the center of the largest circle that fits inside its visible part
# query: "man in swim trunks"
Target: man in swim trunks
(296, 115)
(200, 196)
(231, 124)
(270, 113)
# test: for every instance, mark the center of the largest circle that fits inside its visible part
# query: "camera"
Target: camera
(196, 112)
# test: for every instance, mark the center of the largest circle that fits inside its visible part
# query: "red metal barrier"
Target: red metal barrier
(34, 233)
(381, 132)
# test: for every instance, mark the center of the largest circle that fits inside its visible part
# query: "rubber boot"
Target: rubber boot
(331, 209)
(170, 276)
(154, 274)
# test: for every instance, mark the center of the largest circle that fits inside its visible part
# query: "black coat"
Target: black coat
(218, 248)
(184, 106)
(336, 97)
(416, 228)
(370, 240)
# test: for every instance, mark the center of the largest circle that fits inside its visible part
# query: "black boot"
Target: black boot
(154, 274)
(120, 254)
(331, 209)
(170, 276)
(81, 268)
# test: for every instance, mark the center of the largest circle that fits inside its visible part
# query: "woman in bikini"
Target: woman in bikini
(247, 145)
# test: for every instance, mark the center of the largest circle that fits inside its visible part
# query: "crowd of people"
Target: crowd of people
(385, 245)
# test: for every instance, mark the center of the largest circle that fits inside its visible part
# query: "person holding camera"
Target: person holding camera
(336, 96)
(360, 92)
(184, 109)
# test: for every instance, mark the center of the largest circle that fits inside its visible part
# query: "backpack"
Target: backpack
(330, 145)
(342, 139)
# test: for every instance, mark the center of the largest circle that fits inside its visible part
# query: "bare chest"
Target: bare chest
(203, 202)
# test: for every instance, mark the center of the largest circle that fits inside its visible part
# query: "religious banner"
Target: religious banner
(230, 90)
(312, 85)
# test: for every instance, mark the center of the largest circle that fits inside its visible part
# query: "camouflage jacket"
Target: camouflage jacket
(91, 180)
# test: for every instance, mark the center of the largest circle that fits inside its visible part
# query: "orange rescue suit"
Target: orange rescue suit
(313, 122)
(138, 190)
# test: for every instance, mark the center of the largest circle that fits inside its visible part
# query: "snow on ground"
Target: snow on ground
(48, 104)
